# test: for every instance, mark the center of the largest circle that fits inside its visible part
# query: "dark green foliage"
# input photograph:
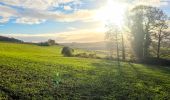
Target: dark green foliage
(155, 61)
(51, 42)
(67, 51)
(43, 44)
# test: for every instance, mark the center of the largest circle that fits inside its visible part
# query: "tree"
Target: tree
(161, 30)
(123, 47)
(112, 35)
(67, 51)
(51, 42)
(110, 48)
(142, 22)
(136, 29)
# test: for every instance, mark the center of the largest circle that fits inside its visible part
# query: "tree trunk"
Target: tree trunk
(159, 44)
(117, 46)
(146, 45)
(123, 48)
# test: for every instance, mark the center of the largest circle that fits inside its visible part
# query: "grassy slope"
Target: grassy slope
(34, 72)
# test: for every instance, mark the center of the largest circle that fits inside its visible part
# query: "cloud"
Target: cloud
(155, 3)
(67, 8)
(29, 21)
(70, 36)
(6, 13)
(71, 28)
(41, 16)
(38, 11)
(36, 4)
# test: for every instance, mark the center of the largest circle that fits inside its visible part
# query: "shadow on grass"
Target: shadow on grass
(155, 61)
(114, 84)
(126, 82)
(153, 82)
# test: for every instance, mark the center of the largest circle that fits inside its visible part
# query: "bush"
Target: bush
(67, 51)
(43, 44)
(85, 55)
(92, 56)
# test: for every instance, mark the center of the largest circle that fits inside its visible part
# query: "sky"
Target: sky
(64, 20)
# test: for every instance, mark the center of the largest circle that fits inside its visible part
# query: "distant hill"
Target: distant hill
(88, 46)
(7, 39)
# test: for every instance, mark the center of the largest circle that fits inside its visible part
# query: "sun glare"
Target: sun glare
(112, 12)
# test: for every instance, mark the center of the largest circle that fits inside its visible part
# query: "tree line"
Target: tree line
(146, 28)
(7, 39)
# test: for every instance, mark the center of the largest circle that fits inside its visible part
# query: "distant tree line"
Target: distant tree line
(7, 39)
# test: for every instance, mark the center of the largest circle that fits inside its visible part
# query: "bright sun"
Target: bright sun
(112, 12)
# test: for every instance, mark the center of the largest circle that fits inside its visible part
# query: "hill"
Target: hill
(7, 39)
(88, 46)
(42, 73)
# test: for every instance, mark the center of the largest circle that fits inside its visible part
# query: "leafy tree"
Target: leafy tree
(51, 42)
(161, 32)
(136, 29)
(142, 22)
(67, 51)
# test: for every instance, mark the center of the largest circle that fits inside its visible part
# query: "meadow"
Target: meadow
(42, 73)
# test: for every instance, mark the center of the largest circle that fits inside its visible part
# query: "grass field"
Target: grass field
(37, 72)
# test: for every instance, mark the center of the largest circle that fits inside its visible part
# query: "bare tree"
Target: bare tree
(110, 48)
(161, 30)
(123, 47)
(112, 34)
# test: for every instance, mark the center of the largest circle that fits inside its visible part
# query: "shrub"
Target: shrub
(43, 44)
(85, 55)
(67, 51)
(92, 56)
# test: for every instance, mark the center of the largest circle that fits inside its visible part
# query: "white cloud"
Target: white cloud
(29, 21)
(6, 13)
(156, 3)
(80, 15)
(71, 28)
(67, 8)
(4, 20)
(37, 11)
(36, 4)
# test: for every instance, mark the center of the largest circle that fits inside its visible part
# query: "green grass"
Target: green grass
(37, 72)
